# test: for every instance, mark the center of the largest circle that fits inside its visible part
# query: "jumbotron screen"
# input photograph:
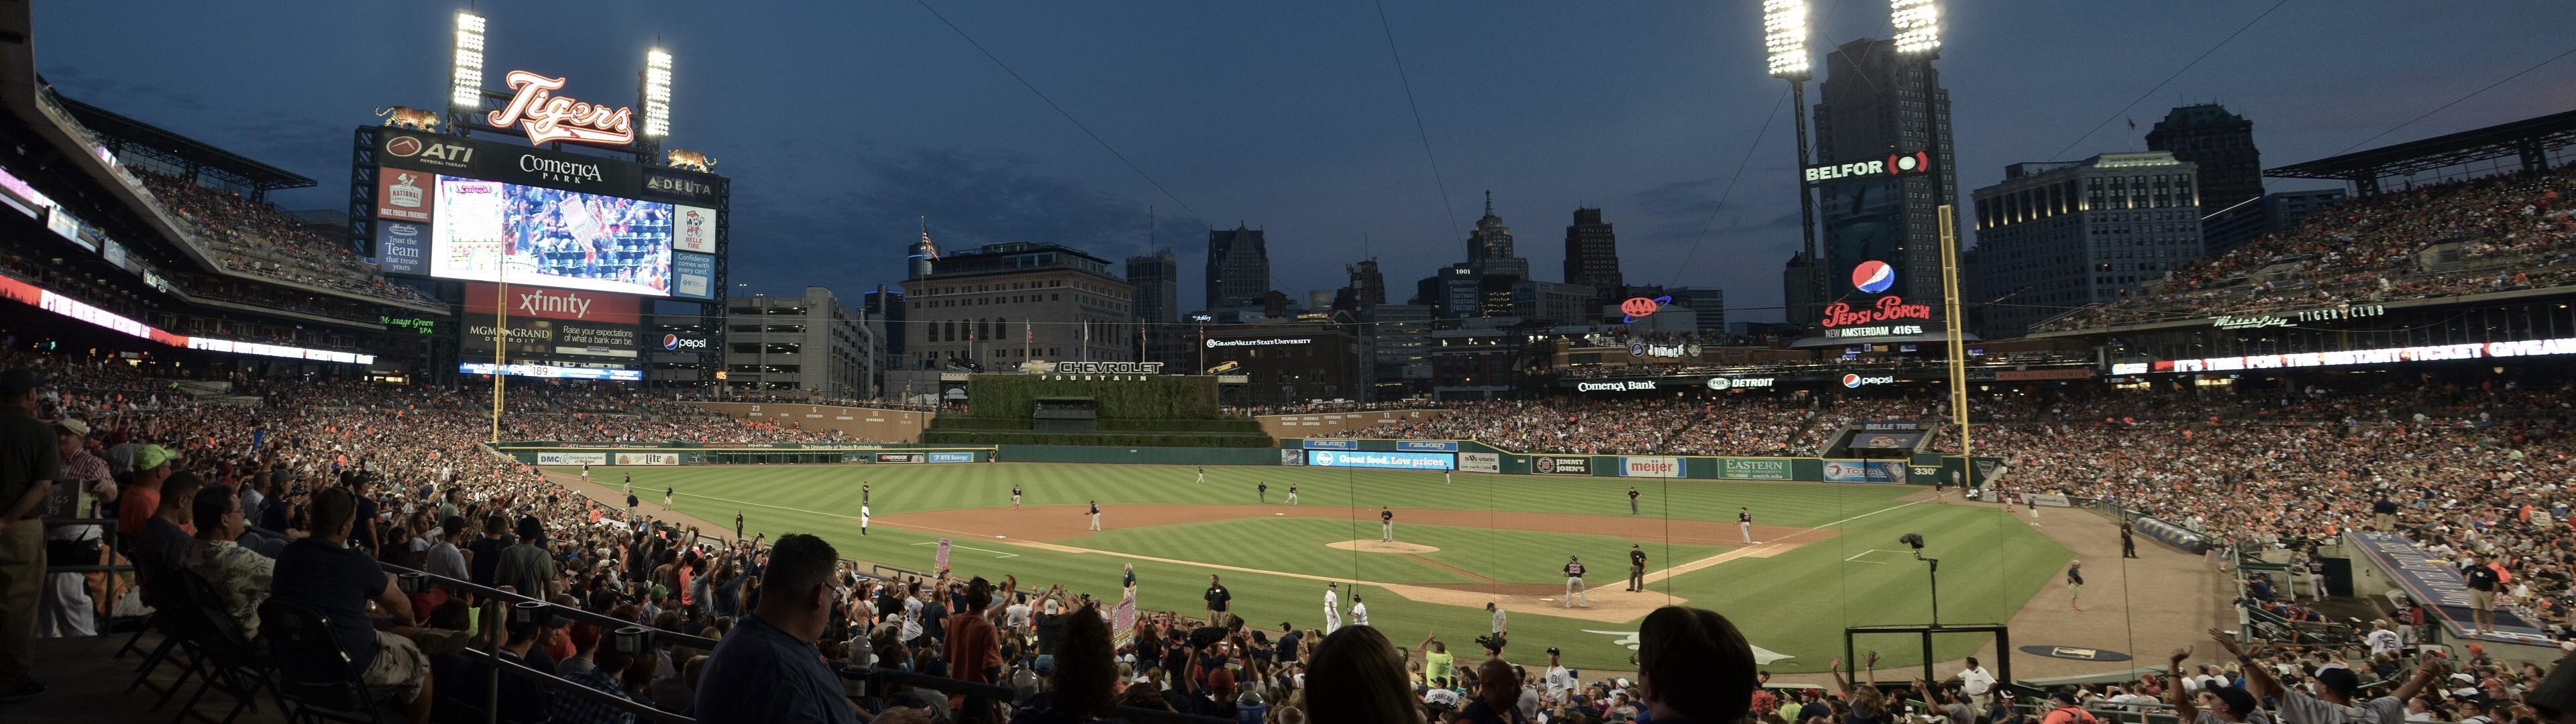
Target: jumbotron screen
(493, 231)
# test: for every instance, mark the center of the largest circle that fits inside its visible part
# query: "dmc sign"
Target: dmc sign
(1739, 383)
(1614, 386)
(1887, 308)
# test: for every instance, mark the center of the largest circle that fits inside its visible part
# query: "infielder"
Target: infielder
(1264, 489)
(1015, 497)
(1095, 515)
(1385, 525)
(1573, 582)
(863, 518)
(1632, 500)
(1202, 475)
(1332, 607)
(1744, 523)
(1292, 493)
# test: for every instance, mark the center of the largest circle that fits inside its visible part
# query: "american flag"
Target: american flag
(926, 243)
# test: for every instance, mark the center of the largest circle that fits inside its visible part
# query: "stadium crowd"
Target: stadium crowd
(1729, 426)
(251, 237)
(2512, 231)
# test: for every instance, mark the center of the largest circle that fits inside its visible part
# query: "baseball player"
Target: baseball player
(1744, 523)
(1095, 515)
(1264, 488)
(1292, 493)
(1573, 582)
(1636, 568)
(1359, 611)
(863, 492)
(1632, 500)
(1332, 607)
(1015, 496)
(666, 496)
(2075, 586)
(1445, 478)
(585, 471)
(1385, 525)
(1500, 626)
(1202, 475)
(863, 519)
(629, 487)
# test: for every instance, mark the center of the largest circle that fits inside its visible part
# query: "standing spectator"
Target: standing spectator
(1217, 598)
(1358, 677)
(1694, 667)
(2481, 579)
(526, 567)
(67, 609)
(444, 558)
(2331, 701)
(323, 573)
(973, 647)
(1084, 684)
(30, 462)
(768, 669)
(486, 550)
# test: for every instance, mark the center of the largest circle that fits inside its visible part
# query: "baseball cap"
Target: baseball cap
(2339, 680)
(73, 425)
(19, 380)
(151, 456)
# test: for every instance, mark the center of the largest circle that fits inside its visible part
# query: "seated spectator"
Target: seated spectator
(768, 669)
(142, 496)
(1357, 676)
(166, 538)
(323, 573)
(1083, 685)
(1693, 667)
(599, 672)
(238, 575)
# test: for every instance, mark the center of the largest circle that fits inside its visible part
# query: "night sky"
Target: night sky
(840, 123)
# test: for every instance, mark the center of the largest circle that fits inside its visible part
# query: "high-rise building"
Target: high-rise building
(1238, 268)
(1003, 304)
(1592, 256)
(1489, 247)
(2221, 144)
(1551, 302)
(1368, 286)
(1871, 107)
(1798, 293)
(1157, 279)
(1394, 340)
(885, 313)
(809, 345)
(2056, 236)
(2284, 210)
(1707, 304)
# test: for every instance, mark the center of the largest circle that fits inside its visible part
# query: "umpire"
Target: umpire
(1636, 568)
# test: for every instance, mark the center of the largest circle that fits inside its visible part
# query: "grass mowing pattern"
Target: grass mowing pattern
(1794, 604)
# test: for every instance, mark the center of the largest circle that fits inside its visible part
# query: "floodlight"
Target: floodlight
(1784, 37)
(1918, 25)
(466, 84)
(657, 93)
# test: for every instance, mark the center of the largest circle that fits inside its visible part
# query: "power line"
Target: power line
(1418, 127)
(1068, 116)
(2204, 55)
(2456, 101)
(1730, 189)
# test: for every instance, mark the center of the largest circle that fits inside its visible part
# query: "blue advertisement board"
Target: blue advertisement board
(400, 247)
(951, 457)
(693, 276)
(1395, 460)
(1427, 445)
(1864, 471)
(2437, 584)
(1313, 444)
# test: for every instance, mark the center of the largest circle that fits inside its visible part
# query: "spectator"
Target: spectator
(30, 462)
(142, 496)
(1693, 666)
(1083, 685)
(973, 647)
(768, 669)
(444, 559)
(1357, 676)
(67, 608)
(526, 567)
(166, 538)
(600, 669)
(1498, 696)
(323, 573)
(238, 575)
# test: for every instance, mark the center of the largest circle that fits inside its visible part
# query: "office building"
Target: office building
(809, 345)
(2057, 236)
(1553, 303)
(1489, 247)
(1871, 107)
(1708, 305)
(1238, 268)
(1368, 286)
(1798, 293)
(2285, 210)
(1393, 339)
(885, 314)
(2221, 144)
(1592, 256)
(1157, 279)
(1288, 362)
(997, 306)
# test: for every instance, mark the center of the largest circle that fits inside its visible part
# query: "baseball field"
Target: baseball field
(1827, 556)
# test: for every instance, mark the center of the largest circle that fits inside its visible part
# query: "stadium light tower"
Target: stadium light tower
(657, 93)
(465, 84)
(1784, 39)
(1918, 35)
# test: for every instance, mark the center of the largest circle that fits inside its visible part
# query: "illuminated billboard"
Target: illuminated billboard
(492, 231)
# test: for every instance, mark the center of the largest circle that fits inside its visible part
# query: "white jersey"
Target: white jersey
(863, 515)
(1359, 614)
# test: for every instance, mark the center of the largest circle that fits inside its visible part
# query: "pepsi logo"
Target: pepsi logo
(1873, 276)
(1851, 380)
(1855, 381)
(404, 146)
(670, 341)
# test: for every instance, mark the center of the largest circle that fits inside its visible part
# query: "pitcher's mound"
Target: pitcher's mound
(1376, 546)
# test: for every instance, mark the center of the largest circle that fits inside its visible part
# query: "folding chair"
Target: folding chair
(220, 650)
(312, 672)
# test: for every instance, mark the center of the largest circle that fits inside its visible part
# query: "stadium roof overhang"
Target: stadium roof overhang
(131, 136)
(2530, 139)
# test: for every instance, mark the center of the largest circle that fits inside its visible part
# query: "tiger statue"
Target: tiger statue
(408, 117)
(681, 158)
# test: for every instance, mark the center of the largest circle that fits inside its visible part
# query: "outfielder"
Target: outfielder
(1292, 493)
(1574, 582)
(1385, 525)
(1095, 515)
(1264, 489)
(1015, 497)
(1202, 475)
(863, 519)
(1744, 523)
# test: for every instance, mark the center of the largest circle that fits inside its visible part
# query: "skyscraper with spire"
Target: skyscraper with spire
(1489, 247)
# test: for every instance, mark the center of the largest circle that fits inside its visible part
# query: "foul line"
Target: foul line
(1856, 557)
(1767, 547)
(996, 554)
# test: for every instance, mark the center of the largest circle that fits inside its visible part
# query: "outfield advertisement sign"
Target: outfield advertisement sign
(1312, 444)
(1427, 445)
(1653, 467)
(1480, 462)
(949, 457)
(1292, 457)
(1552, 465)
(571, 458)
(1394, 460)
(648, 458)
(1753, 468)
(2053, 500)
(1864, 471)
(898, 457)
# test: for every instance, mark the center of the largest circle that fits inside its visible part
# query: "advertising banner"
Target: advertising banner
(1653, 467)
(1886, 440)
(1753, 468)
(648, 458)
(1550, 465)
(1395, 460)
(693, 275)
(547, 336)
(2433, 582)
(949, 457)
(1864, 471)
(898, 457)
(553, 372)
(1292, 457)
(1427, 445)
(1480, 462)
(693, 229)
(571, 458)
(2052, 500)
(403, 195)
(1314, 444)
(402, 247)
(544, 303)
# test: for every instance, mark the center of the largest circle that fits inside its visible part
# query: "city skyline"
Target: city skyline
(1316, 146)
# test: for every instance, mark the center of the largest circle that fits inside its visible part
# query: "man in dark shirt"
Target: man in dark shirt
(324, 574)
(2482, 580)
(1288, 638)
(30, 463)
(1636, 568)
(1217, 597)
(1050, 626)
(487, 550)
(737, 525)
(1632, 500)
(364, 535)
(2128, 540)
(767, 669)
(2383, 513)
(166, 538)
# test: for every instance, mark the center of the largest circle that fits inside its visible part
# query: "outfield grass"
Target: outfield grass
(1795, 604)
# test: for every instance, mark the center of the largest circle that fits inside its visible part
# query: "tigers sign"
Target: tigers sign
(547, 118)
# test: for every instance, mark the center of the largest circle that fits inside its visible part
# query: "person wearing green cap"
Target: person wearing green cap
(143, 496)
(30, 462)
